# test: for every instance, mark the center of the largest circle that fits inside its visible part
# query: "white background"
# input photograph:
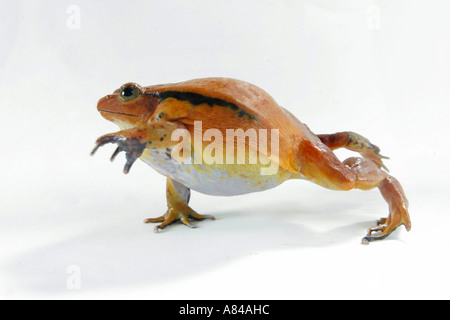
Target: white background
(379, 68)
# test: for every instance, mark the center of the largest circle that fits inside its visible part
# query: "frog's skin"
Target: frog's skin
(147, 117)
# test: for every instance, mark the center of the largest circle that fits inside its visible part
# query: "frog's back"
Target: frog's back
(247, 98)
(241, 93)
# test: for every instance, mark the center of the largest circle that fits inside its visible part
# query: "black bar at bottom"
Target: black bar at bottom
(213, 309)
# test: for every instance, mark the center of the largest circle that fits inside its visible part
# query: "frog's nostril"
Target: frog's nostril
(103, 102)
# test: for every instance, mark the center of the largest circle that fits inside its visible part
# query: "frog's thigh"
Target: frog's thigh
(320, 165)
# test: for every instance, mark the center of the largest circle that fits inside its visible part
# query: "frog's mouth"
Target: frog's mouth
(123, 119)
(115, 112)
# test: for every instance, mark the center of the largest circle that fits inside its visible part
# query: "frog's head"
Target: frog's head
(128, 106)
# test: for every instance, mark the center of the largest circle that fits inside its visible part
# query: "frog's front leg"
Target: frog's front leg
(134, 141)
(178, 196)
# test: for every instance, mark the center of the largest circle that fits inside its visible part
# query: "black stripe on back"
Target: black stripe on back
(197, 99)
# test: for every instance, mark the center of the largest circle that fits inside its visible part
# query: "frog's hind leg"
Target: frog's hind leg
(354, 142)
(178, 197)
(320, 165)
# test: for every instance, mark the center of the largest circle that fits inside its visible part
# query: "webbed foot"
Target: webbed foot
(398, 212)
(368, 150)
(384, 228)
(178, 197)
(182, 213)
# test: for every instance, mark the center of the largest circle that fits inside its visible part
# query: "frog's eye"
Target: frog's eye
(129, 92)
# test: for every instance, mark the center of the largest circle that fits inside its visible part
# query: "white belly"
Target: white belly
(218, 180)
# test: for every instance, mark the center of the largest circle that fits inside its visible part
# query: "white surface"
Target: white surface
(379, 68)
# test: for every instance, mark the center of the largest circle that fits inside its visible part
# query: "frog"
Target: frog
(158, 121)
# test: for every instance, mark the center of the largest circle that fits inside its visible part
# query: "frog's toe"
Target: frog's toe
(368, 239)
(114, 155)
(154, 220)
(377, 233)
(196, 216)
(109, 138)
(383, 224)
(381, 221)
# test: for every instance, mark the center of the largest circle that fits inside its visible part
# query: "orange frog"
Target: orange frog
(222, 136)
